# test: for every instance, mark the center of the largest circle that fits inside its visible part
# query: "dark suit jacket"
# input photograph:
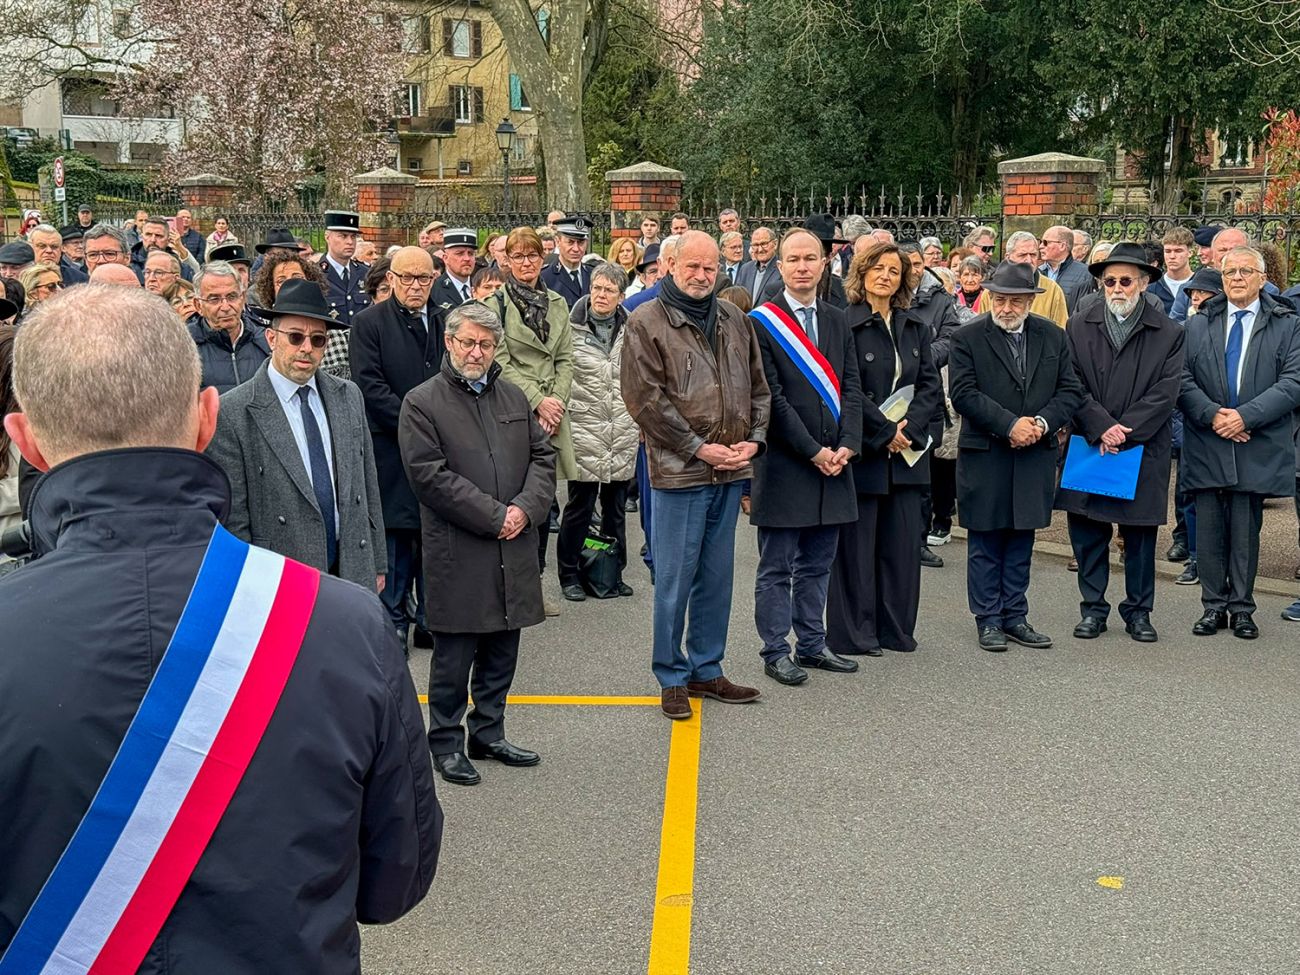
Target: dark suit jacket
(1074, 280)
(272, 502)
(772, 283)
(875, 469)
(788, 490)
(391, 354)
(558, 279)
(1000, 486)
(445, 295)
(72, 273)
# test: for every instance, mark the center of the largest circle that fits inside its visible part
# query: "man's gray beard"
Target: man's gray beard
(1122, 309)
(1014, 324)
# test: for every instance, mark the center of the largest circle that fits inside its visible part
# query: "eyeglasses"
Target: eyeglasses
(103, 255)
(1239, 272)
(487, 346)
(230, 299)
(988, 248)
(151, 272)
(296, 338)
(525, 258)
(410, 279)
(1124, 282)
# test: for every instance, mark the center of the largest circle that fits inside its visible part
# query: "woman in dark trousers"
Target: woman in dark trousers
(875, 586)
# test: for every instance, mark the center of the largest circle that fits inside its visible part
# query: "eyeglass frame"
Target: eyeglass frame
(313, 336)
(486, 346)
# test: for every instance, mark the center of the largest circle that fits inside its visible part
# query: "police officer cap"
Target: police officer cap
(17, 253)
(1204, 236)
(304, 298)
(343, 220)
(460, 237)
(574, 227)
(230, 253)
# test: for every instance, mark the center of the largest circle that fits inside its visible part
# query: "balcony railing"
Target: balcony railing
(437, 120)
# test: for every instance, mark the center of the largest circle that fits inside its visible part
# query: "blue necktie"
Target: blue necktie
(321, 484)
(809, 329)
(1232, 356)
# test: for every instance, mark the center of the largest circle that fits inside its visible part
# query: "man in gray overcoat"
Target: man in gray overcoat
(294, 444)
(483, 470)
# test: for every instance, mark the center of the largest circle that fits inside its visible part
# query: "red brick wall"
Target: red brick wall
(629, 200)
(1033, 194)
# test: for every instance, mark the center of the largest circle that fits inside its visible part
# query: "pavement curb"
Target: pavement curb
(1289, 588)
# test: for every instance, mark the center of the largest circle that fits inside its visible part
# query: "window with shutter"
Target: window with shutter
(462, 104)
(476, 38)
(478, 105)
(518, 97)
(544, 24)
(448, 29)
(460, 45)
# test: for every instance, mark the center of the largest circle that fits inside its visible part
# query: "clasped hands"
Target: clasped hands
(832, 462)
(1229, 425)
(1114, 438)
(550, 411)
(515, 522)
(1026, 432)
(723, 458)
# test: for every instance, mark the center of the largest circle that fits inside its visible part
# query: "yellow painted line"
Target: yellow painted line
(596, 701)
(670, 937)
(1114, 883)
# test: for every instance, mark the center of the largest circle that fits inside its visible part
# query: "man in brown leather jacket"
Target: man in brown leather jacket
(692, 378)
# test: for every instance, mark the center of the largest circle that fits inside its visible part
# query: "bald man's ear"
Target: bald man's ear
(20, 432)
(209, 406)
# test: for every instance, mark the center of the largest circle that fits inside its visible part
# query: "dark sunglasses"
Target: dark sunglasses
(1124, 282)
(988, 248)
(297, 338)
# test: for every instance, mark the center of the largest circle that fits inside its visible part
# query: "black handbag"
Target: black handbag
(598, 566)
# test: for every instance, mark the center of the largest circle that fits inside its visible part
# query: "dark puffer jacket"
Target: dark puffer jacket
(226, 366)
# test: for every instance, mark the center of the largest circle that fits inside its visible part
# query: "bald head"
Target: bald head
(695, 266)
(116, 274)
(1225, 240)
(411, 276)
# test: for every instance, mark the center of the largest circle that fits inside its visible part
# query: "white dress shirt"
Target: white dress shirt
(287, 392)
(462, 288)
(1247, 329)
(796, 309)
(339, 269)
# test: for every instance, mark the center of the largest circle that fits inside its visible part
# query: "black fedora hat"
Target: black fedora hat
(304, 298)
(230, 253)
(822, 226)
(7, 308)
(277, 237)
(1205, 279)
(651, 256)
(1010, 278)
(1125, 253)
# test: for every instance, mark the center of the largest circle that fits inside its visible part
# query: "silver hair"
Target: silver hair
(984, 230)
(668, 246)
(475, 314)
(945, 276)
(767, 230)
(1082, 238)
(107, 230)
(930, 242)
(1255, 256)
(972, 264)
(608, 271)
(1019, 237)
(729, 236)
(728, 210)
(854, 226)
(175, 261)
(216, 269)
(98, 367)
(44, 228)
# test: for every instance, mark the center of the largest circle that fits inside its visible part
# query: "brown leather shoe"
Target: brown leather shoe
(675, 703)
(721, 689)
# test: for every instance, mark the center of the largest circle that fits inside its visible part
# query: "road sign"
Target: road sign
(60, 194)
(58, 172)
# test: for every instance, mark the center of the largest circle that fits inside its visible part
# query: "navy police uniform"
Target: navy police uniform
(347, 291)
(569, 285)
(447, 293)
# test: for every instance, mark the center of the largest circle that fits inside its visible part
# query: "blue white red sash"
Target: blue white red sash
(182, 759)
(789, 335)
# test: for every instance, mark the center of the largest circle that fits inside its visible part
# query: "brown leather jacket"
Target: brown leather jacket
(682, 395)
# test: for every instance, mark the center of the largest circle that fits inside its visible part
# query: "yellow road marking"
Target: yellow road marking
(670, 936)
(1114, 883)
(574, 699)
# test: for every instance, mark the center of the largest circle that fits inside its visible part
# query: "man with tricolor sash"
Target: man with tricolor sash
(211, 756)
(803, 485)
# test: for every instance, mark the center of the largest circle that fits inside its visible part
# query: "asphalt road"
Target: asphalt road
(947, 811)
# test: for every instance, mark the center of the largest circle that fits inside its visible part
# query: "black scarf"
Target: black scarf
(701, 312)
(532, 303)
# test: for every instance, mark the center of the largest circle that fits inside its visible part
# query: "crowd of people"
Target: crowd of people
(408, 421)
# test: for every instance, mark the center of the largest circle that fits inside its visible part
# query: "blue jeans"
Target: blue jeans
(694, 545)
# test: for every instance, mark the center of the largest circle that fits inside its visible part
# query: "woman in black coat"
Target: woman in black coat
(875, 586)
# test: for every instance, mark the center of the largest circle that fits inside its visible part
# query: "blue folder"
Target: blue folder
(1092, 472)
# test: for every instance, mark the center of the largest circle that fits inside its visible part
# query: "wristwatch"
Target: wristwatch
(1042, 424)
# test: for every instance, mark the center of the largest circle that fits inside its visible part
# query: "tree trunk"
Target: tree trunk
(565, 150)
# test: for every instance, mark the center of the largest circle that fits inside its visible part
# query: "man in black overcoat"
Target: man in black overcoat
(1129, 356)
(803, 486)
(396, 345)
(1011, 379)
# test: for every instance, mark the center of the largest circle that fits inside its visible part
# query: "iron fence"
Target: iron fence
(490, 223)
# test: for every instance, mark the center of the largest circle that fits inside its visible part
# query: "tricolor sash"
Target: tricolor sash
(789, 335)
(182, 759)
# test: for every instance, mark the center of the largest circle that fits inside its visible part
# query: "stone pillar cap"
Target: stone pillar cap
(644, 171)
(206, 179)
(1051, 162)
(385, 174)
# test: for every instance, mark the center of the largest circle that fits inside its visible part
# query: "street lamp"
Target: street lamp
(505, 140)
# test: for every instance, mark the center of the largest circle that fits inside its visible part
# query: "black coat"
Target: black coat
(875, 470)
(445, 295)
(788, 490)
(470, 455)
(391, 353)
(224, 366)
(1137, 387)
(1000, 486)
(558, 279)
(72, 273)
(1267, 401)
(352, 299)
(335, 821)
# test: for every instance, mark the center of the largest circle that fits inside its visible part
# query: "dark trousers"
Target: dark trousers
(1091, 542)
(643, 486)
(404, 572)
(1227, 548)
(577, 519)
(997, 575)
(794, 570)
(1297, 507)
(875, 585)
(943, 490)
(492, 658)
(1184, 512)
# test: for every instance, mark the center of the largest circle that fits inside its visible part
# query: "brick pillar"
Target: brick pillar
(1050, 188)
(207, 197)
(383, 198)
(643, 189)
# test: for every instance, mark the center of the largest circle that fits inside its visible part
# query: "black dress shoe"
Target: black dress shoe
(1140, 629)
(504, 752)
(826, 660)
(573, 592)
(1178, 552)
(630, 504)
(456, 769)
(783, 670)
(423, 638)
(1027, 636)
(1191, 575)
(1243, 626)
(992, 639)
(624, 589)
(1211, 623)
(929, 559)
(1089, 628)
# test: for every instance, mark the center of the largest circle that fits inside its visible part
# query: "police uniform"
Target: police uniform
(569, 285)
(447, 293)
(346, 295)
